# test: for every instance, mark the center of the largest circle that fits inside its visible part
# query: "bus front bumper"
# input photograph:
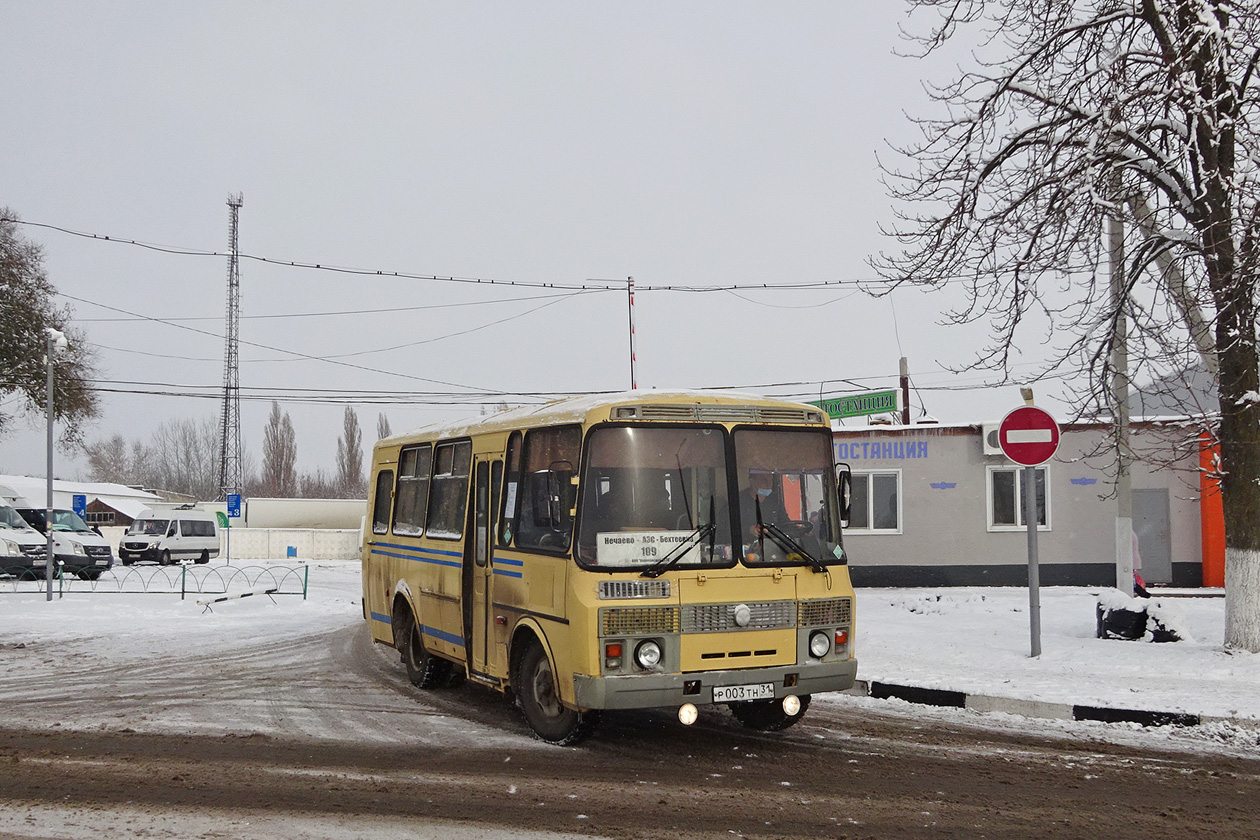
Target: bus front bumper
(646, 691)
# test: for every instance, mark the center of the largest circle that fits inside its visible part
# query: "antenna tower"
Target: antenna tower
(230, 440)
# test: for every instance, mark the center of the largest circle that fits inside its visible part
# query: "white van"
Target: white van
(23, 550)
(171, 536)
(76, 547)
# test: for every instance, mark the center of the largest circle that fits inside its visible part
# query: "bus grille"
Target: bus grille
(629, 621)
(616, 590)
(834, 611)
(720, 618)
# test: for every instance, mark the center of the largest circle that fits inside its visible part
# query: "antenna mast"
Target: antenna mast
(230, 440)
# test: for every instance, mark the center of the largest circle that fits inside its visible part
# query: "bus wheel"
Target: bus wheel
(204, 558)
(767, 715)
(424, 670)
(166, 559)
(540, 702)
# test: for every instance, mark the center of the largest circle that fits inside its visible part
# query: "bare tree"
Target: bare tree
(110, 460)
(319, 485)
(27, 309)
(279, 459)
(1078, 115)
(350, 458)
(179, 457)
(382, 426)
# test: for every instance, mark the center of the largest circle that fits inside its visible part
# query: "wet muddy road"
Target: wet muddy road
(258, 742)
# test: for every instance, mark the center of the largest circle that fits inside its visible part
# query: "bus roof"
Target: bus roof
(595, 408)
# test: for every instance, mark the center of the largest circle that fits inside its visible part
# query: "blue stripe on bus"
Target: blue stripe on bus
(507, 561)
(442, 635)
(421, 559)
(422, 548)
(384, 619)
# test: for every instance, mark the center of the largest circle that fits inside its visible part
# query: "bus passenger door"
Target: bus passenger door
(476, 587)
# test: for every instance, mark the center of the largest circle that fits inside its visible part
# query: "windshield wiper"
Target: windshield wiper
(785, 542)
(679, 551)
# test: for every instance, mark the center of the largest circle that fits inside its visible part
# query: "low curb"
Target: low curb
(1032, 708)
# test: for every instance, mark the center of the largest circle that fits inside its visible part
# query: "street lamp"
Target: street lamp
(56, 343)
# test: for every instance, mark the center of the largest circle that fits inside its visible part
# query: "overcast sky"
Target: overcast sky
(694, 144)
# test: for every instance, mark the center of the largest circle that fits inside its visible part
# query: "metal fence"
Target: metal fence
(172, 580)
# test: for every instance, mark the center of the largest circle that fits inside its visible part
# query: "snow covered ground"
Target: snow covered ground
(972, 640)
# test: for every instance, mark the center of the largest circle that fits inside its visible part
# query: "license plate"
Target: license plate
(102, 562)
(736, 693)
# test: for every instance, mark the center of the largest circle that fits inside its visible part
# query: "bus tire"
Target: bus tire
(204, 558)
(536, 694)
(767, 715)
(165, 559)
(424, 670)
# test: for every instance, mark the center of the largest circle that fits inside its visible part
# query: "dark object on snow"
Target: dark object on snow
(1115, 623)
(1159, 631)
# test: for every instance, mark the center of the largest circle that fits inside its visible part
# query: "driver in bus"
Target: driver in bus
(761, 492)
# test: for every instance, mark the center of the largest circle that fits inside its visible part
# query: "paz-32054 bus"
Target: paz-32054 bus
(621, 552)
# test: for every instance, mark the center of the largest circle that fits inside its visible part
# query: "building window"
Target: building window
(1006, 499)
(876, 504)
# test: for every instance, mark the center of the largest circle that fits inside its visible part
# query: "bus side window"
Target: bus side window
(380, 505)
(547, 496)
(414, 467)
(507, 519)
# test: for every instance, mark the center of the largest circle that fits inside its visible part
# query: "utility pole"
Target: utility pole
(1120, 394)
(230, 440)
(905, 391)
(634, 382)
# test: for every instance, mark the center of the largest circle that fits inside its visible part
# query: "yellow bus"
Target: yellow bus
(641, 550)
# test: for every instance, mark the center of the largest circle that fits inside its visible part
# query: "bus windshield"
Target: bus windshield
(651, 490)
(787, 498)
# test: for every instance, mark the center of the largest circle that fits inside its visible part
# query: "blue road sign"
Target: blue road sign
(79, 503)
(234, 505)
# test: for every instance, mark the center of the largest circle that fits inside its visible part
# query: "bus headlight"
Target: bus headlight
(819, 644)
(791, 705)
(648, 655)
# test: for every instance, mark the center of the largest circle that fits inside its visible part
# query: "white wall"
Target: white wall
(273, 543)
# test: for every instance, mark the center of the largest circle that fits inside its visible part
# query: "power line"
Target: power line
(592, 284)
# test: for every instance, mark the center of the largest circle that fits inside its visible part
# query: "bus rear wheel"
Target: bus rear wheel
(539, 700)
(767, 715)
(424, 670)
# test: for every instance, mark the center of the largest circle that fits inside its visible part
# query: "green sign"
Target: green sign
(222, 517)
(859, 405)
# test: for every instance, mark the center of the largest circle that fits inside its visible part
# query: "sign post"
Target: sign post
(1029, 436)
(233, 511)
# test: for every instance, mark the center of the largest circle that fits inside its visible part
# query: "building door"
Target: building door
(1151, 524)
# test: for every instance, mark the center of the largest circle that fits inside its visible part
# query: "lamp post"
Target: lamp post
(56, 342)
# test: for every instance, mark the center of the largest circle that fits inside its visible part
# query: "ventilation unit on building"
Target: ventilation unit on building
(989, 438)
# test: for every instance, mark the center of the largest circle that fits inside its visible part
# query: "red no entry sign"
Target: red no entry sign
(1028, 436)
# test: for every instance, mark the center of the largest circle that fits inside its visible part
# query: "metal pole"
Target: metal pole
(48, 521)
(905, 391)
(1034, 573)
(634, 382)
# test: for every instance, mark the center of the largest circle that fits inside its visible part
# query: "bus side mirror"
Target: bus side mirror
(844, 490)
